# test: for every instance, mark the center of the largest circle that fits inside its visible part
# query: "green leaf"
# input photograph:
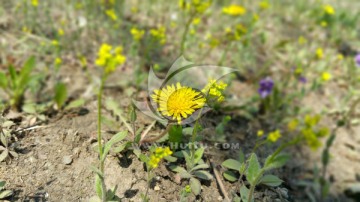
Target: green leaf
(4, 154)
(244, 193)
(3, 80)
(13, 77)
(29, 108)
(276, 162)
(121, 147)
(170, 159)
(198, 155)
(200, 166)
(232, 164)
(195, 186)
(270, 180)
(185, 175)
(97, 171)
(253, 169)
(2, 184)
(98, 187)
(202, 174)
(75, 104)
(25, 72)
(6, 193)
(229, 175)
(60, 94)
(175, 134)
(177, 169)
(116, 138)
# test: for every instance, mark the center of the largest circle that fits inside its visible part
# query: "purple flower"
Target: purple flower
(266, 86)
(357, 60)
(302, 79)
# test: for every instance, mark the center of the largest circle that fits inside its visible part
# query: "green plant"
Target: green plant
(3, 192)
(5, 138)
(16, 83)
(195, 169)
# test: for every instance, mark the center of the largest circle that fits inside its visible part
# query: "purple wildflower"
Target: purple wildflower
(357, 60)
(302, 79)
(266, 86)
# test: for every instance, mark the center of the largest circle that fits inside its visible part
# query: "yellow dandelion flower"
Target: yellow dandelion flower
(234, 10)
(328, 9)
(326, 76)
(178, 101)
(274, 136)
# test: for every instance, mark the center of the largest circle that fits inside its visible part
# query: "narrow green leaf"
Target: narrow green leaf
(270, 180)
(29, 108)
(253, 169)
(185, 175)
(202, 174)
(98, 187)
(24, 76)
(195, 186)
(3, 80)
(97, 171)
(116, 138)
(121, 147)
(231, 164)
(4, 154)
(75, 104)
(13, 77)
(170, 159)
(60, 94)
(177, 169)
(6, 193)
(198, 155)
(200, 166)
(229, 175)
(276, 162)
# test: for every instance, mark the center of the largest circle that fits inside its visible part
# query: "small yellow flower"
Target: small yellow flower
(326, 76)
(196, 21)
(292, 125)
(234, 10)
(35, 3)
(178, 102)
(215, 90)
(159, 34)
(311, 138)
(158, 155)
(274, 136)
(60, 32)
(58, 61)
(264, 5)
(137, 33)
(340, 56)
(319, 53)
(328, 9)
(55, 42)
(302, 40)
(311, 121)
(109, 58)
(260, 133)
(83, 61)
(111, 14)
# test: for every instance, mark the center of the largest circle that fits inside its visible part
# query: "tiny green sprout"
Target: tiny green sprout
(3, 192)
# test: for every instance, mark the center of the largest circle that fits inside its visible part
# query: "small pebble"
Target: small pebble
(157, 188)
(67, 160)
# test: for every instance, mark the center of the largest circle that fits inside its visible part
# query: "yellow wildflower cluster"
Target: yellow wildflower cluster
(309, 130)
(215, 90)
(109, 58)
(235, 35)
(274, 136)
(159, 34)
(328, 9)
(111, 14)
(198, 6)
(137, 34)
(158, 155)
(234, 10)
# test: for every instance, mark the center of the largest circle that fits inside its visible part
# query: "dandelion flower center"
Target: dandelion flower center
(178, 101)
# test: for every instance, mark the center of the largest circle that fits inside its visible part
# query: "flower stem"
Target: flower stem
(183, 40)
(103, 187)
